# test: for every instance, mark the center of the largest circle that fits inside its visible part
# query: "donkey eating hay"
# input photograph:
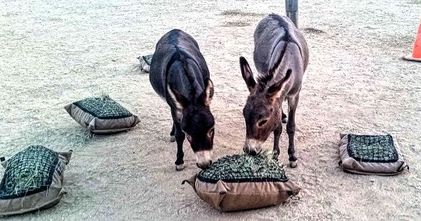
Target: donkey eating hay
(180, 75)
(281, 58)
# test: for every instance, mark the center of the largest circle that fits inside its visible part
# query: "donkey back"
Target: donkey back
(279, 47)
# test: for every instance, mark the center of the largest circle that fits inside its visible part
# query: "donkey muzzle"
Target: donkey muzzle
(252, 146)
(203, 159)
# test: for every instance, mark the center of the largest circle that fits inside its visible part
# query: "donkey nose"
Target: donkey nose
(252, 146)
(204, 166)
(253, 152)
(249, 150)
(203, 158)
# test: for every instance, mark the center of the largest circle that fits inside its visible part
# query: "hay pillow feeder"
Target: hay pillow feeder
(370, 154)
(33, 180)
(145, 62)
(241, 182)
(102, 115)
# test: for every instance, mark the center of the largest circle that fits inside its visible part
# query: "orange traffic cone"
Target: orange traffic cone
(416, 52)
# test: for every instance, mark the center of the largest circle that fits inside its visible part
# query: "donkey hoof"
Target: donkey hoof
(293, 164)
(179, 167)
(172, 139)
(284, 118)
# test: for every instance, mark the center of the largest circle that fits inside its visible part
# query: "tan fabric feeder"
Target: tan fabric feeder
(102, 115)
(242, 182)
(370, 154)
(33, 180)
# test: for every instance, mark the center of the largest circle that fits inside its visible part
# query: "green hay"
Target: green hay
(28, 171)
(103, 107)
(244, 167)
(367, 148)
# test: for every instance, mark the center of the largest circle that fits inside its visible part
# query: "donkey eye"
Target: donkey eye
(261, 123)
(211, 132)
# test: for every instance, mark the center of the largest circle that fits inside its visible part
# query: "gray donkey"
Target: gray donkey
(281, 58)
(179, 74)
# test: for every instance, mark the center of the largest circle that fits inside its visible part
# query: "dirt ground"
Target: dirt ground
(55, 52)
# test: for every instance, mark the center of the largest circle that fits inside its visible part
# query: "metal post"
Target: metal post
(291, 7)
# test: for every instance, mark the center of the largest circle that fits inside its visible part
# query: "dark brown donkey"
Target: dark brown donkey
(281, 58)
(180, 75)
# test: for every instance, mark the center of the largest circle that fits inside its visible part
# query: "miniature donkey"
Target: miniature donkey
(281, 58)
(179, 74)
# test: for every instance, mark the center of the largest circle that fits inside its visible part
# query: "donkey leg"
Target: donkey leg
(179, 138)
(172, 134)
(284, 117)
(292, 105)
(276, 135)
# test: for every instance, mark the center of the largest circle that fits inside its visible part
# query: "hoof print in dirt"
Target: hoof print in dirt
(313, 31)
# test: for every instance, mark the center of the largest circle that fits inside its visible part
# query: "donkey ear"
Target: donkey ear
(247, 74)
(208, 93)
(275, 91)
(180, 101)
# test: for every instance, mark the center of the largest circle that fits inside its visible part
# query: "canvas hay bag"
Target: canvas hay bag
(33, 180)
(241, 182)
(145, 62)
(102, 115)
(370, 154)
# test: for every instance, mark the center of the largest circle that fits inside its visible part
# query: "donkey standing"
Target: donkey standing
(179, 74)
(281, 58)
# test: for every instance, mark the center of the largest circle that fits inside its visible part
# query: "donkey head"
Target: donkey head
(197, 122)
(262, 111)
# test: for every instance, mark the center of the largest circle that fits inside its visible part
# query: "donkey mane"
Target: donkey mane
(263, 80)
(275, 61)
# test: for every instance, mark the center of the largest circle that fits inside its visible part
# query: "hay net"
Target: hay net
(243, 168)
(370, 148)
(148, 59)
(29, 171)
(103, 107)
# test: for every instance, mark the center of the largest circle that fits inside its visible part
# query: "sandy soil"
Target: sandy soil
(55, 52)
